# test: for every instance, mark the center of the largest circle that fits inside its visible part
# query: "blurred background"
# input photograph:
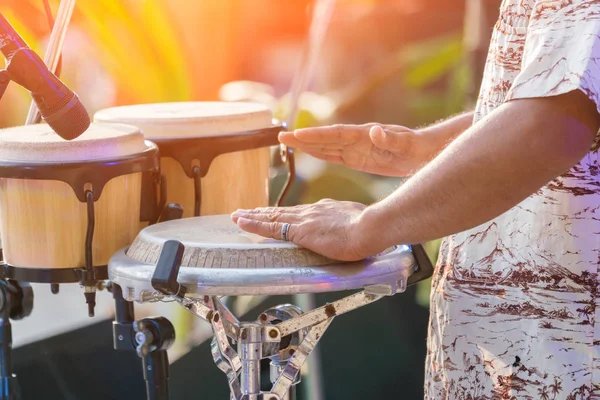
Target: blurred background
(406, 62)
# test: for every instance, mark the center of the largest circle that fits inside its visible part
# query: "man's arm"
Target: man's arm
(489, 169)
(442, 133)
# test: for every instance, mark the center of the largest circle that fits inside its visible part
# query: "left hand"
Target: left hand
(329, 227)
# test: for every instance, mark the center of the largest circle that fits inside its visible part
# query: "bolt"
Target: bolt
(273, 333)
(121, 337)
(244, 334)
(140, 337)
(330, 310)
(149, 367)
(263, 317)
(216, 317)
(291, 351)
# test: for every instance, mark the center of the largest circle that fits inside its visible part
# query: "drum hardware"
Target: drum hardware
(150, 338)
(171, 212)
(287, 158)
(16, 302)
(196, 154)
(87, 179)
(284, 334)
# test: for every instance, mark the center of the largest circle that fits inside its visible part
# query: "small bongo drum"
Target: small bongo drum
(214, 155)
(67, 206)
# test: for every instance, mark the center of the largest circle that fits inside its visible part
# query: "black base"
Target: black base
(47, 275)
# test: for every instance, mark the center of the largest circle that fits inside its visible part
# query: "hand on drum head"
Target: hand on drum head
(388, 150)
(330, 228)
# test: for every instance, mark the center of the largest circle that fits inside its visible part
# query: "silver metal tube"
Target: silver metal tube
(250, 352)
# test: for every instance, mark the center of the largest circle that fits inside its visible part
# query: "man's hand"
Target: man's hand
(329, 227)
(388, 150)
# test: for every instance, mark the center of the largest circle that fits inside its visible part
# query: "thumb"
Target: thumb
(386, 139)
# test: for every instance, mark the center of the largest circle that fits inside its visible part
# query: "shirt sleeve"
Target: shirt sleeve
(562, 51)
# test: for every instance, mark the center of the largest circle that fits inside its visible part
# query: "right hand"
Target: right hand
(388, 150)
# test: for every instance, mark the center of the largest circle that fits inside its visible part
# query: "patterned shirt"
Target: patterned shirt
(515, 309)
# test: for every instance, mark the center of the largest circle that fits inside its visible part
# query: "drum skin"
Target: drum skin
(42, 222)
(234, 180)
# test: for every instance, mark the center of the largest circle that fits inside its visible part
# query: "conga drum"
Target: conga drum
(67, 206)
(194, 261)
(214, 155)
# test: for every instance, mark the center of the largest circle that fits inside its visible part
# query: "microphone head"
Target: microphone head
(68, 118)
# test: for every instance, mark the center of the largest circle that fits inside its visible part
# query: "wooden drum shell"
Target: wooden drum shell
(44, 224)
(190, 134)
(234, 180)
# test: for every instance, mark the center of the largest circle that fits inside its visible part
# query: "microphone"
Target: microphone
(59, 106)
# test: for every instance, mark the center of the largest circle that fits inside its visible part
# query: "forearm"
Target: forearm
(441, 134)
(490, 168)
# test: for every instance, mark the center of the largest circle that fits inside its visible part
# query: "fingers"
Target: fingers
(394, 140)
(266, 229)
(288, 139)
(271, 230)
(333, 134)
(272, 216)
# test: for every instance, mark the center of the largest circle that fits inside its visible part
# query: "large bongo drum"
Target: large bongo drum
(222, 259)
(67, 206)
(214, 155)
(194, 261)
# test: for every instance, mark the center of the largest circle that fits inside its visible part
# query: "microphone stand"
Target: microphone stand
(16, 302)
(4, 81)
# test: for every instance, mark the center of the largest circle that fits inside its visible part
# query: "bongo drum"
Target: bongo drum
(214, 155)
(195, 260)
(221, 259)
(68, 206)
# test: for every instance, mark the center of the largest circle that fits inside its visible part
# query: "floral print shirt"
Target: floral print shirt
(515, 309)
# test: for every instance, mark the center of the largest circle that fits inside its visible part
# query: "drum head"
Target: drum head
(39, 143)
(216, 242)
(190, 119)
(221, 259)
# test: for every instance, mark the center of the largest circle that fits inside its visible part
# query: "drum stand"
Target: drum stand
(150, 338)
(16, 302)
(284, 334)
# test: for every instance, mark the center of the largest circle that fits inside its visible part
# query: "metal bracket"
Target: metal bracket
(253, 338)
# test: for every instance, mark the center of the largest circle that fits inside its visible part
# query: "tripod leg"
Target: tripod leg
(154, 337)
(312, 382)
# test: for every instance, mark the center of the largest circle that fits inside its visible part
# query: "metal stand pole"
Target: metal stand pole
(250, 351)
(16, 302)
(150, 337)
